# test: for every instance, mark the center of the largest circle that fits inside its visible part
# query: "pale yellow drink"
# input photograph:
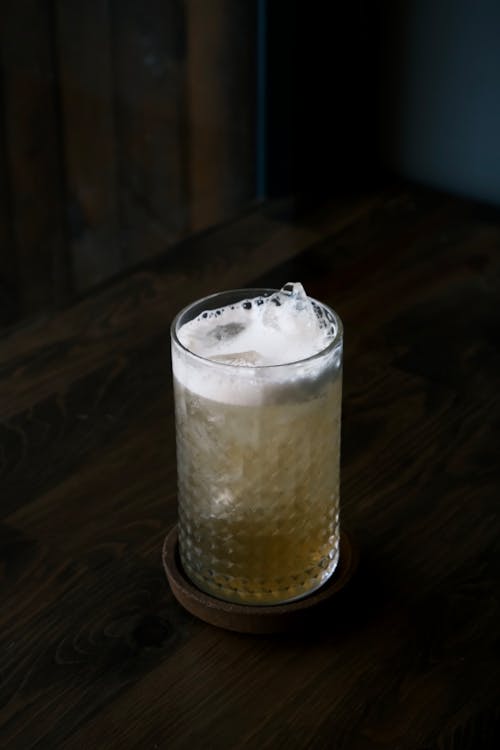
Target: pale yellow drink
(258, 471)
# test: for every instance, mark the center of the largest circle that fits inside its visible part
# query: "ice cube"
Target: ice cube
(295, 291)
(227, 331)
(241, 359)
(297, 313)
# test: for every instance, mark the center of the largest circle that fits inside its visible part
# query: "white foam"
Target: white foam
(286, 327)
(275, 330)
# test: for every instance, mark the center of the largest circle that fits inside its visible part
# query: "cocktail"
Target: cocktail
(258, 382)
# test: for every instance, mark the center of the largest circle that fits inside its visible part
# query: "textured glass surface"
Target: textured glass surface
(258, 495)
(258, 484)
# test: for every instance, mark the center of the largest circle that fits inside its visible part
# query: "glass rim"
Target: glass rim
(250, 293)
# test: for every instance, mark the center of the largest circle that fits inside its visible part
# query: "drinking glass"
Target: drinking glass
(258, 451)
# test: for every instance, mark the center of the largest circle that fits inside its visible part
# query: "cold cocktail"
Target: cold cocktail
(257, 380)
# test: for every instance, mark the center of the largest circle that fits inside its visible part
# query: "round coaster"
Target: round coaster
(244, 618)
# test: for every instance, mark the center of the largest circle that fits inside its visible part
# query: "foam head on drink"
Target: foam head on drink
(258, 390)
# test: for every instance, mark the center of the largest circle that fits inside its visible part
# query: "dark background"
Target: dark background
(127, 126)
(323, 72)
(363, 90)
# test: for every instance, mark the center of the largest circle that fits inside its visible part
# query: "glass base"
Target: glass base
(233, 591)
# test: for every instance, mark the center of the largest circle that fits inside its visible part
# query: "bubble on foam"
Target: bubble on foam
(285, 327)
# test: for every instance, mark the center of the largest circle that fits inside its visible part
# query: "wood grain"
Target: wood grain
(94, 650)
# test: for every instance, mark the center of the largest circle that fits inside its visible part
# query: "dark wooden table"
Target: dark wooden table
(95, 651)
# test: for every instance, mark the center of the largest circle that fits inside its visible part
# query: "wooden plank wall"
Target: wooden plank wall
(125, 125)
(83, 40)
(221, 112)
(36, 256)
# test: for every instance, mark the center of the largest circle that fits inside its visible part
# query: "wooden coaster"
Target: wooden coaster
(244, 618)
